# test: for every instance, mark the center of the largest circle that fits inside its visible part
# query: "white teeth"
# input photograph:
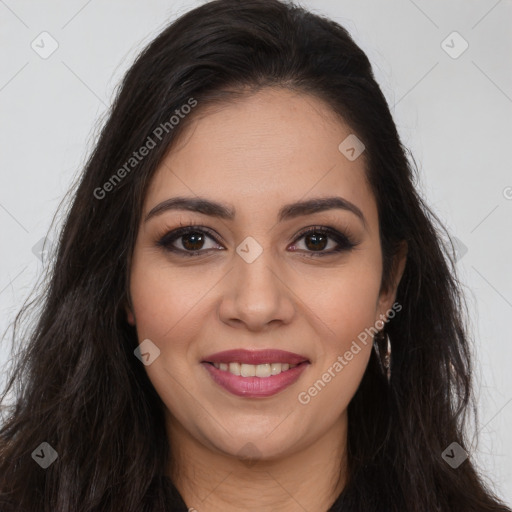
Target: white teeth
(247, 370)
(263, 370)
(234, 368)
(254, 370)
(275, 368)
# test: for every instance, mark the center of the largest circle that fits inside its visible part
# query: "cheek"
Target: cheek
(165, 301)
(171, 307)
(344, 301)
(168, 311)
(346, 312)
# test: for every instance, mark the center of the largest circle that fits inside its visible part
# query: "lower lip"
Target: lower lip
(253, 387)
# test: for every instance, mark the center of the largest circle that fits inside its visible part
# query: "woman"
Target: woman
(250, 307)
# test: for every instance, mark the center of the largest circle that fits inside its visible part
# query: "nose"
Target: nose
(255, 295)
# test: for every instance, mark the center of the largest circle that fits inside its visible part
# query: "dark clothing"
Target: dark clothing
(178, 505)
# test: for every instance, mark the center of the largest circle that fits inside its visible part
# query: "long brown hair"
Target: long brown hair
(79, 386)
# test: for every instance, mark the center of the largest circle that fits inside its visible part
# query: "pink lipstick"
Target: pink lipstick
(252, 374)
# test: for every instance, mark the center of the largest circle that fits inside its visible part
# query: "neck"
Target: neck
(212, 481)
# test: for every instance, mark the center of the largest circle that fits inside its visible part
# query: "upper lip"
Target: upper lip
(255, 357)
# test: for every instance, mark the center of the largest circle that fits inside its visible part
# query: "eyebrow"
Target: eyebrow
(223, 211)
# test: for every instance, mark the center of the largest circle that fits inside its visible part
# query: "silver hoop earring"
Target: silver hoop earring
(382, 346)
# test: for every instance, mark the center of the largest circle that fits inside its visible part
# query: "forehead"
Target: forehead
(271, 147)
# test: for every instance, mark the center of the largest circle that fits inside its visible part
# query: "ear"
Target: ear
(130, 317)
(387, 297)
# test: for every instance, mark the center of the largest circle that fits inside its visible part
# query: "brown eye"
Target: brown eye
(189, 241)
(316, 241)
(193, 241)
(318, 238)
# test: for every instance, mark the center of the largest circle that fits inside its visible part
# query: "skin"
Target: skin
(256, 154)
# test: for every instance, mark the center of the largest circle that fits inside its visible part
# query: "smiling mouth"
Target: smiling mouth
(255, 380)
(255, 373)
(254, 370)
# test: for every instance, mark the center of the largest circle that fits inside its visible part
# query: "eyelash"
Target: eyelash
(345, 242)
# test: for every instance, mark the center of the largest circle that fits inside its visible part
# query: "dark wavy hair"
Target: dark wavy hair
(76, 381)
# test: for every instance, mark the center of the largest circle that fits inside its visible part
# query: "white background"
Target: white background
(454, 115)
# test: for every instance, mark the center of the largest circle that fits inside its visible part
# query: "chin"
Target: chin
(255, 446)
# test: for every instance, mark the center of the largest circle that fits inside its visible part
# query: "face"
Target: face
(263, 277)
